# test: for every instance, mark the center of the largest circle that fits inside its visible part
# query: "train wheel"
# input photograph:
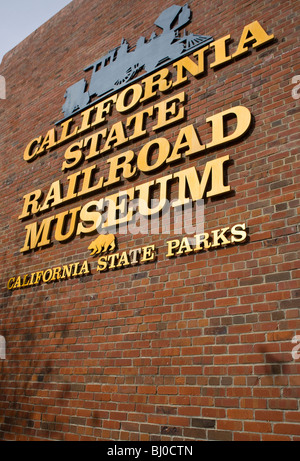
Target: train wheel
(129, 74)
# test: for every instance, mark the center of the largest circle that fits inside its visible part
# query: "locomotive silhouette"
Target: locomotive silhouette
(114, 70)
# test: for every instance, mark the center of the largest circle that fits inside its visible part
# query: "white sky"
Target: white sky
(19, 18)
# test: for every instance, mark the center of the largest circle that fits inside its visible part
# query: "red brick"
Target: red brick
(240, 414)
(255, 426)
(287, 428)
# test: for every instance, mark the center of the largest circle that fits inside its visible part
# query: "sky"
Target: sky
(19, 18)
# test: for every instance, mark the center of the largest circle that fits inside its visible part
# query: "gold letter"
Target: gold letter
(216, 237)
(56, 273)
(139, 123)
(103, 108)
(172, 246)
(24, 280)
(9, 286)
(243, 117)
(88, 179)
(185, 246)
(187, 139)
(117, 206)
(133, 255)
(257, 34)
(116, 137)
(144, 196)
(65, 131)
(18, 283)
(89, 216)
(235, 231)
(127, 169)
(136, 95)
(38, 277)
(123, 261)
(33, 235)
(112, 260)
(47, 275)
(215, 168)
(31, 200)
(163, 152)
(168, 108)
(72, 186)
(102, 263)
(49, 141)
(202, 238)
(159, 79)
(61, 224)
(95, 143)
(53, 194)
(85, 268)
(86, 119)
(220, 51)
(29, 153)
(148, 253)
(189, 65)
(75, 155)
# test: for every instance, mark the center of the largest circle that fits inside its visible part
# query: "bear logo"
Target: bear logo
(102, 244)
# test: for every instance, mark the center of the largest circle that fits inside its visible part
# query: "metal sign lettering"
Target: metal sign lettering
(114, 70)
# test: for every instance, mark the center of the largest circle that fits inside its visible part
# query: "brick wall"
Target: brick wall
(196, 347)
